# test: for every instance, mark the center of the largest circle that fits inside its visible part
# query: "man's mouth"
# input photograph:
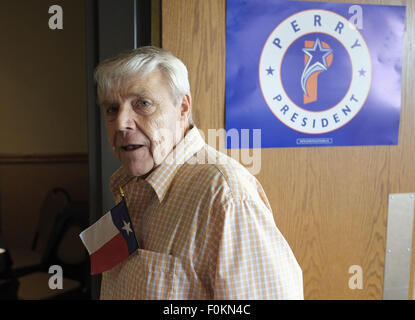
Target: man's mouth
(131, 147)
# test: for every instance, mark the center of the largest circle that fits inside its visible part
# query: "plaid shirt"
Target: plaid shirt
(205, 230)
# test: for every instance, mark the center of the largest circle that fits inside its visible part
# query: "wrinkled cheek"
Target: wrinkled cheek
(116, 153)
(163, 143)
(111, 140)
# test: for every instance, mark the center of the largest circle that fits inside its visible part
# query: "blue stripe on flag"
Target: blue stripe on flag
(122, 221)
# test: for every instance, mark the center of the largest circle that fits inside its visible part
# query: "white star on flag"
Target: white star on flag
(127, 227)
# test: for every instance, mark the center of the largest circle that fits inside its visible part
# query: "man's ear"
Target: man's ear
(186, 107)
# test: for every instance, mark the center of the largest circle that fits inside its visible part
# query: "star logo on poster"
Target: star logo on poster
(325, 72)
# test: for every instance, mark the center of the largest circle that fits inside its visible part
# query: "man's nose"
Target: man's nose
(125, 119)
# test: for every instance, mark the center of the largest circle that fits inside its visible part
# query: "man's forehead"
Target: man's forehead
(128, 85)
(145, 85)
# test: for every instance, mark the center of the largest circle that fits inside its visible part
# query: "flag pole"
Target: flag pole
(122, 194)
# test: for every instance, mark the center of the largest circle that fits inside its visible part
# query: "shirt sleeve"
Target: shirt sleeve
(254, 261)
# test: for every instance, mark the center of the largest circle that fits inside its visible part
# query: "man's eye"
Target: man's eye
(141, 104)
(112, 110)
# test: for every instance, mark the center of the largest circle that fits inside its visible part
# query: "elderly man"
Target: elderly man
(203, 223)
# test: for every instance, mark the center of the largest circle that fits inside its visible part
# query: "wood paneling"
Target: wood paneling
(330, 203)
(44, 158)
(194, 31)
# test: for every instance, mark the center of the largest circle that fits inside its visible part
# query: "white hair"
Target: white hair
(142, 61)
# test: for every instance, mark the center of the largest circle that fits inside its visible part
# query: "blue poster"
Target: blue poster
(309, 74)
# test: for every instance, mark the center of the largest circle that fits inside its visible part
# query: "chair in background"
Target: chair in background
(29, 260)
(63, 248)
(8, 280)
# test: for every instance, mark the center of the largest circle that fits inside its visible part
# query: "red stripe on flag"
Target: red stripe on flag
(109, 255)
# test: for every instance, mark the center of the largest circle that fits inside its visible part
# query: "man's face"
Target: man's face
(143, 121)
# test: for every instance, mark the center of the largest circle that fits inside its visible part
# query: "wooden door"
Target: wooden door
(331, 204)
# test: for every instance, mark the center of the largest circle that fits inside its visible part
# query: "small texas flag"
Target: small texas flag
(111, 239)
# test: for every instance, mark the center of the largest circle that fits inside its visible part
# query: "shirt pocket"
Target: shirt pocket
(155, 275)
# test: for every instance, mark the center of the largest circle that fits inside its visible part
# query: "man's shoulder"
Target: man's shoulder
(216, 170)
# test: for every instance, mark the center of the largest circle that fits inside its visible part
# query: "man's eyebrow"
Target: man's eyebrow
(138, 91)
(131, 92)
(142, 93)
(106, 102)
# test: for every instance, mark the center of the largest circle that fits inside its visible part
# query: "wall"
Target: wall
(43, 131)
(330, 203)
(43, 81)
